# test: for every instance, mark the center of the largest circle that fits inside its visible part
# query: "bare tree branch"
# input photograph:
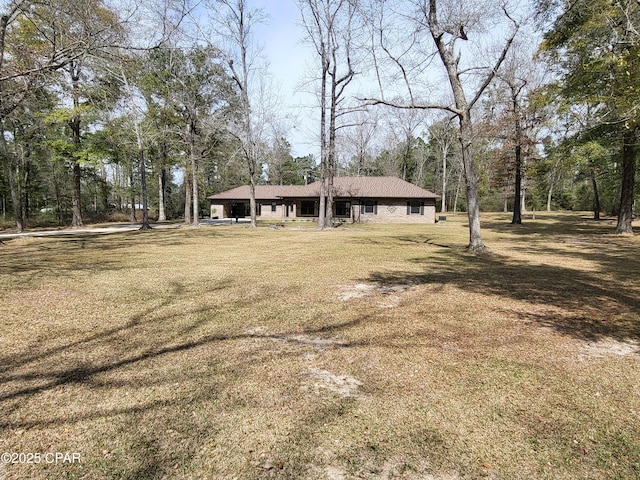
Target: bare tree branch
(496, 67)
(425, 106)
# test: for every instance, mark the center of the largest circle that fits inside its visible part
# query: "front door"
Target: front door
(238, 210)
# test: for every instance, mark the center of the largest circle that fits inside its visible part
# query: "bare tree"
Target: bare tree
(404, 123)
(330, 26)
(448, 23)
(137, 115)
(359, 141)
(522, 76)
(235, 22)
(442, 137)
(516, 87)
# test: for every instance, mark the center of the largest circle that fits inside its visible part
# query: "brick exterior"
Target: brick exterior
(395, 211)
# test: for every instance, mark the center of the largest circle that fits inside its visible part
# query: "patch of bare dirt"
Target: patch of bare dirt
(335, 473)
(392, 468)
(609, 348)
(384, 296)
(309, 348)
(261, 333)
(344, 386)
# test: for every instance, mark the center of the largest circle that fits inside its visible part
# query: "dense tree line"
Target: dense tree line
(99, 125)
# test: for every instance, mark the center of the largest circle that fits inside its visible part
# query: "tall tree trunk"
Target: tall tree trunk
(194, 189)
(549, 194)
(596, 196)
(26, 168)
(75, 202)
(192, 177)
(517, 200)
(473, 208)
(143, 187)
(252, 164)
(132, 195)
(625, 216)
(8, 157)
(141, 159)
(74, 124)
(162, 182)
(241, 27)
(330, 31)
(105, 190)
(324, 155)
(331, 154)
(58, 195)
(445, 152)
(463, 112)
(252, 203)
(322, 204)
(457, 195)
(330, 197)
(187, 198)
(15, 196)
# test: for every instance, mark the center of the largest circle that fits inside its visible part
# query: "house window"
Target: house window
(369, 206)
(415, 207)
(273, 206)
(307, 208)
(343, 209)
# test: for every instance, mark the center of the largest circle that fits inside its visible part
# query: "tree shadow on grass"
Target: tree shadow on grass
(121, 376)
(164, 344)
(64, 256)
(618, 261)
(549, 225)
(161, 381)
(208, 370)
(592, 306)
(72, 253)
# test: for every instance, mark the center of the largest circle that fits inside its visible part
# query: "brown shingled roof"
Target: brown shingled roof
(375, 187)
(263, 192)
(345, 187)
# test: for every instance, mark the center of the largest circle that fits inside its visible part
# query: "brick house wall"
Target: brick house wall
(396, 211)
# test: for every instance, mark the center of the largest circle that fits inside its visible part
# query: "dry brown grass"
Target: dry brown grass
(364, 352)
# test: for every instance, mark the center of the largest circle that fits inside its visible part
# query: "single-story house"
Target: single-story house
(356, 199)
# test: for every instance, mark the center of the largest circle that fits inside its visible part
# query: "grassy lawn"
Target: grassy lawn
(365, 352)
